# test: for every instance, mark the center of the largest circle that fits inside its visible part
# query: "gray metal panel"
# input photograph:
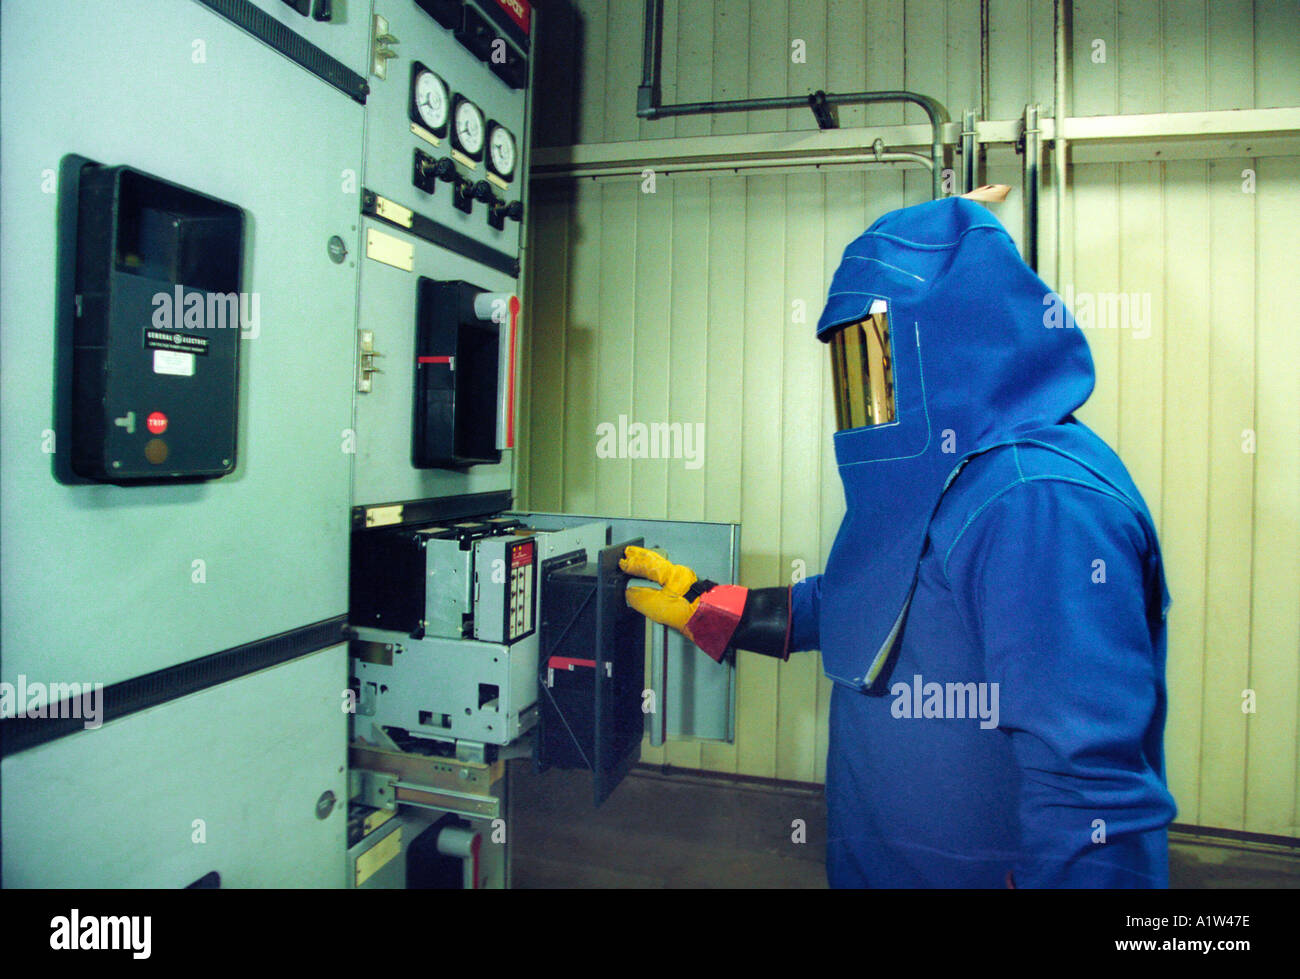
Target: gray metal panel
(490, 594)
(388, 295)
(390, 144)
(384, 473)
(448, 589)
(561, 537)
(116, 806)
(700, 696)
(346, 36)
(442, 677)
(99, 581)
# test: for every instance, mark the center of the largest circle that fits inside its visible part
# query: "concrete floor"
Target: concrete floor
(657, 831)
(1193, 864)
(675, 830)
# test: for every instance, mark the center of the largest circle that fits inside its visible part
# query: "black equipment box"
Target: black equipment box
(150, 313)
(457, 379)
(591, 671)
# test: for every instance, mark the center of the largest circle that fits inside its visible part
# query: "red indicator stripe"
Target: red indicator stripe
(568, 663)
(433, 360)
(510, 401)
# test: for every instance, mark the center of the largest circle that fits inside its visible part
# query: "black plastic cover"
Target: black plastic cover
(149, 324)
(476, 34)
(590, 716)
(457, 379)
(446, 12)
(387, 581)
(511, 67)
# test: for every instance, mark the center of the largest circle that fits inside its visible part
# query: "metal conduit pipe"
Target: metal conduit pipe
(1030, 180)
(649, 107)
(597, 171)
(968, 151)
(1062, 253)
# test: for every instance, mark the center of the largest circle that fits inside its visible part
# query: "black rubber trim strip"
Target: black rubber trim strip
(292, 45)
(440, 509)
(449, 238)
(142, 692)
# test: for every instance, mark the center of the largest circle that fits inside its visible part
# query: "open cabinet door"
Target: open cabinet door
(620, 674)
(694, 697)
(591, 671)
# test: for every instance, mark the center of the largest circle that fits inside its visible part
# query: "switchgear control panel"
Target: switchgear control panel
(447, 137)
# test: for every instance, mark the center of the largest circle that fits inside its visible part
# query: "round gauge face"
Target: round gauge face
(501, 152)
(431, 100)
(469, 127)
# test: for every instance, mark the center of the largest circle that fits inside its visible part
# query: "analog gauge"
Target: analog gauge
(467, 128)
(430, 102)
(501, 151)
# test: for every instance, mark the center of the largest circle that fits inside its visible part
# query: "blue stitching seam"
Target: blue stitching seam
(863, 258)
(1012, 485)
(924, 246)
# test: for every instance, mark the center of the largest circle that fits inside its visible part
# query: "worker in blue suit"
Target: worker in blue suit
(992, 612)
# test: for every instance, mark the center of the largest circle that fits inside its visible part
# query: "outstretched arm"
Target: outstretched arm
(771, 621)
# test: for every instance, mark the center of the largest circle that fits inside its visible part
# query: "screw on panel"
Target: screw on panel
(325, 804)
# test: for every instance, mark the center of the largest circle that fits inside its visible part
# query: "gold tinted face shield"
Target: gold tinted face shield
(862, 367)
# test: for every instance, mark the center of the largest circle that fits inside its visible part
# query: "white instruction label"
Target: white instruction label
(173, 362)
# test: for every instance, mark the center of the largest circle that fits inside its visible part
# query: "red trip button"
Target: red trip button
(157, 422)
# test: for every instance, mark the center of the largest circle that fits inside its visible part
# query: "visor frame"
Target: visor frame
(862, 371)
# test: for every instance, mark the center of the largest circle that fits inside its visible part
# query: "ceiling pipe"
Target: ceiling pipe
(650, 107)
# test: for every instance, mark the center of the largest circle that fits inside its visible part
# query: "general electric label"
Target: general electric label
(176, 340)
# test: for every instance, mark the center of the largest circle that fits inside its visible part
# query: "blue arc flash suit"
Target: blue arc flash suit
(993, 609)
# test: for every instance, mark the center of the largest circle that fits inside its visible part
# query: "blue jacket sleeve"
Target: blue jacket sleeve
(1049, 578)
(805, 614)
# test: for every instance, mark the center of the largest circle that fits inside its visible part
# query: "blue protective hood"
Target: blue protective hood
(976, 365)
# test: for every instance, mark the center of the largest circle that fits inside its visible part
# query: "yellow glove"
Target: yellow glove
(708, 614)
(667, 604)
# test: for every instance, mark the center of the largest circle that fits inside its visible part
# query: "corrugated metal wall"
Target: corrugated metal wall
(697, 303)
